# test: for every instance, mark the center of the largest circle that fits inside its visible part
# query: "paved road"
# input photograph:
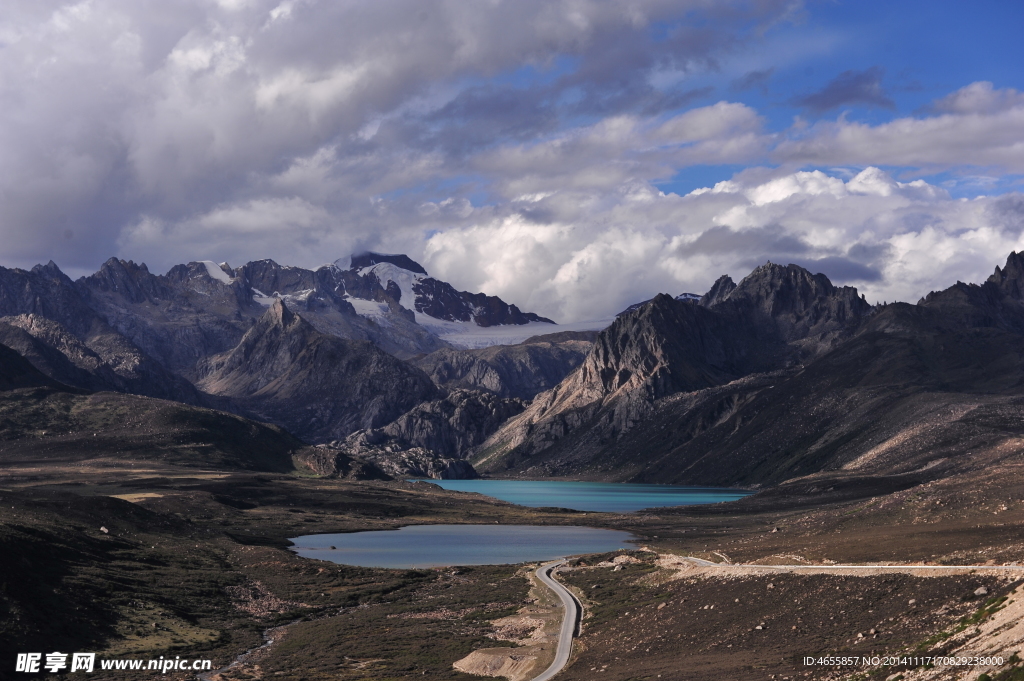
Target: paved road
(568, 621)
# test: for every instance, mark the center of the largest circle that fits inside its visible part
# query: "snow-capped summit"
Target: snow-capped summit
(432, 300)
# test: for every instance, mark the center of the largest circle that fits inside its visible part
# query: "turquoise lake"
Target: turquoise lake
(425, 546)
(613, 497)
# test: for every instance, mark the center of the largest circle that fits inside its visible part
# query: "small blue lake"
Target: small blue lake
(613, 497)
(423, 546)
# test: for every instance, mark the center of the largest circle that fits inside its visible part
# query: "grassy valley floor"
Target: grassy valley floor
(193, 563)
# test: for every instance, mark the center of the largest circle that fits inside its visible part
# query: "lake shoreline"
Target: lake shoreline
(447, 545)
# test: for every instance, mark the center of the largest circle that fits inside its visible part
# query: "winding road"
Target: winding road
(568, 621)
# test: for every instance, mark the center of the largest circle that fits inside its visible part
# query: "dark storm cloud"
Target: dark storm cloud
(848, 88)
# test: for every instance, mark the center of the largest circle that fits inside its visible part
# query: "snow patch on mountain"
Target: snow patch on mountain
(298, 297)
(369, 308)
(214, 270)
(404, 279)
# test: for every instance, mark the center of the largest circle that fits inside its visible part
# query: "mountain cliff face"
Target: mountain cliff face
(318, 386)
(905, 396)
(774, 317)
(521, 370)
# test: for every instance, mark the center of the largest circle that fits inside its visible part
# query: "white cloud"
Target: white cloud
(598, 253)
(976, 126)
(981, 98)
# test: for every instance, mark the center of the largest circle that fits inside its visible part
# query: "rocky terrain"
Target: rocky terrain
(433, 438)
(59, 318)
(315, 351)
(779, 377)
(522, 370)
(319, 386)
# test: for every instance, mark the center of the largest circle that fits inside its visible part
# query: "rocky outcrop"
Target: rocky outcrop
(331, 463)
(521, 371)
(434, 437)
(53, 350)
(416, 462)
(318, 386)
(104, 360)
(449, 427)
(1010, 278)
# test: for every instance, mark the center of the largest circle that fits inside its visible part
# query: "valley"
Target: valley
(162, 436)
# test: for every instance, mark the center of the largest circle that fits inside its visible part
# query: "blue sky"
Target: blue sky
(572, 156)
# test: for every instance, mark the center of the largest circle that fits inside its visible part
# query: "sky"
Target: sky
(570, 156)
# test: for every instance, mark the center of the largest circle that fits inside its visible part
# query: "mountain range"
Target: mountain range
(319, 352)
(780, 377)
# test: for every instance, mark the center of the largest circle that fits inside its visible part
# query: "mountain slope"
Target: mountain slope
(318, 386)
(47, 294)
(520, 370)
(16, 372)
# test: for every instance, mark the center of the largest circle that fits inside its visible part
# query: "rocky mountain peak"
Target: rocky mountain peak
(49, 269)
(1010, 279)
(720, 290)
(360, 260)
(317, 385)
(134, 282)
(800, 303)
(278, 315)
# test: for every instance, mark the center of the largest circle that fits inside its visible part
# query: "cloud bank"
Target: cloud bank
(514, 147)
